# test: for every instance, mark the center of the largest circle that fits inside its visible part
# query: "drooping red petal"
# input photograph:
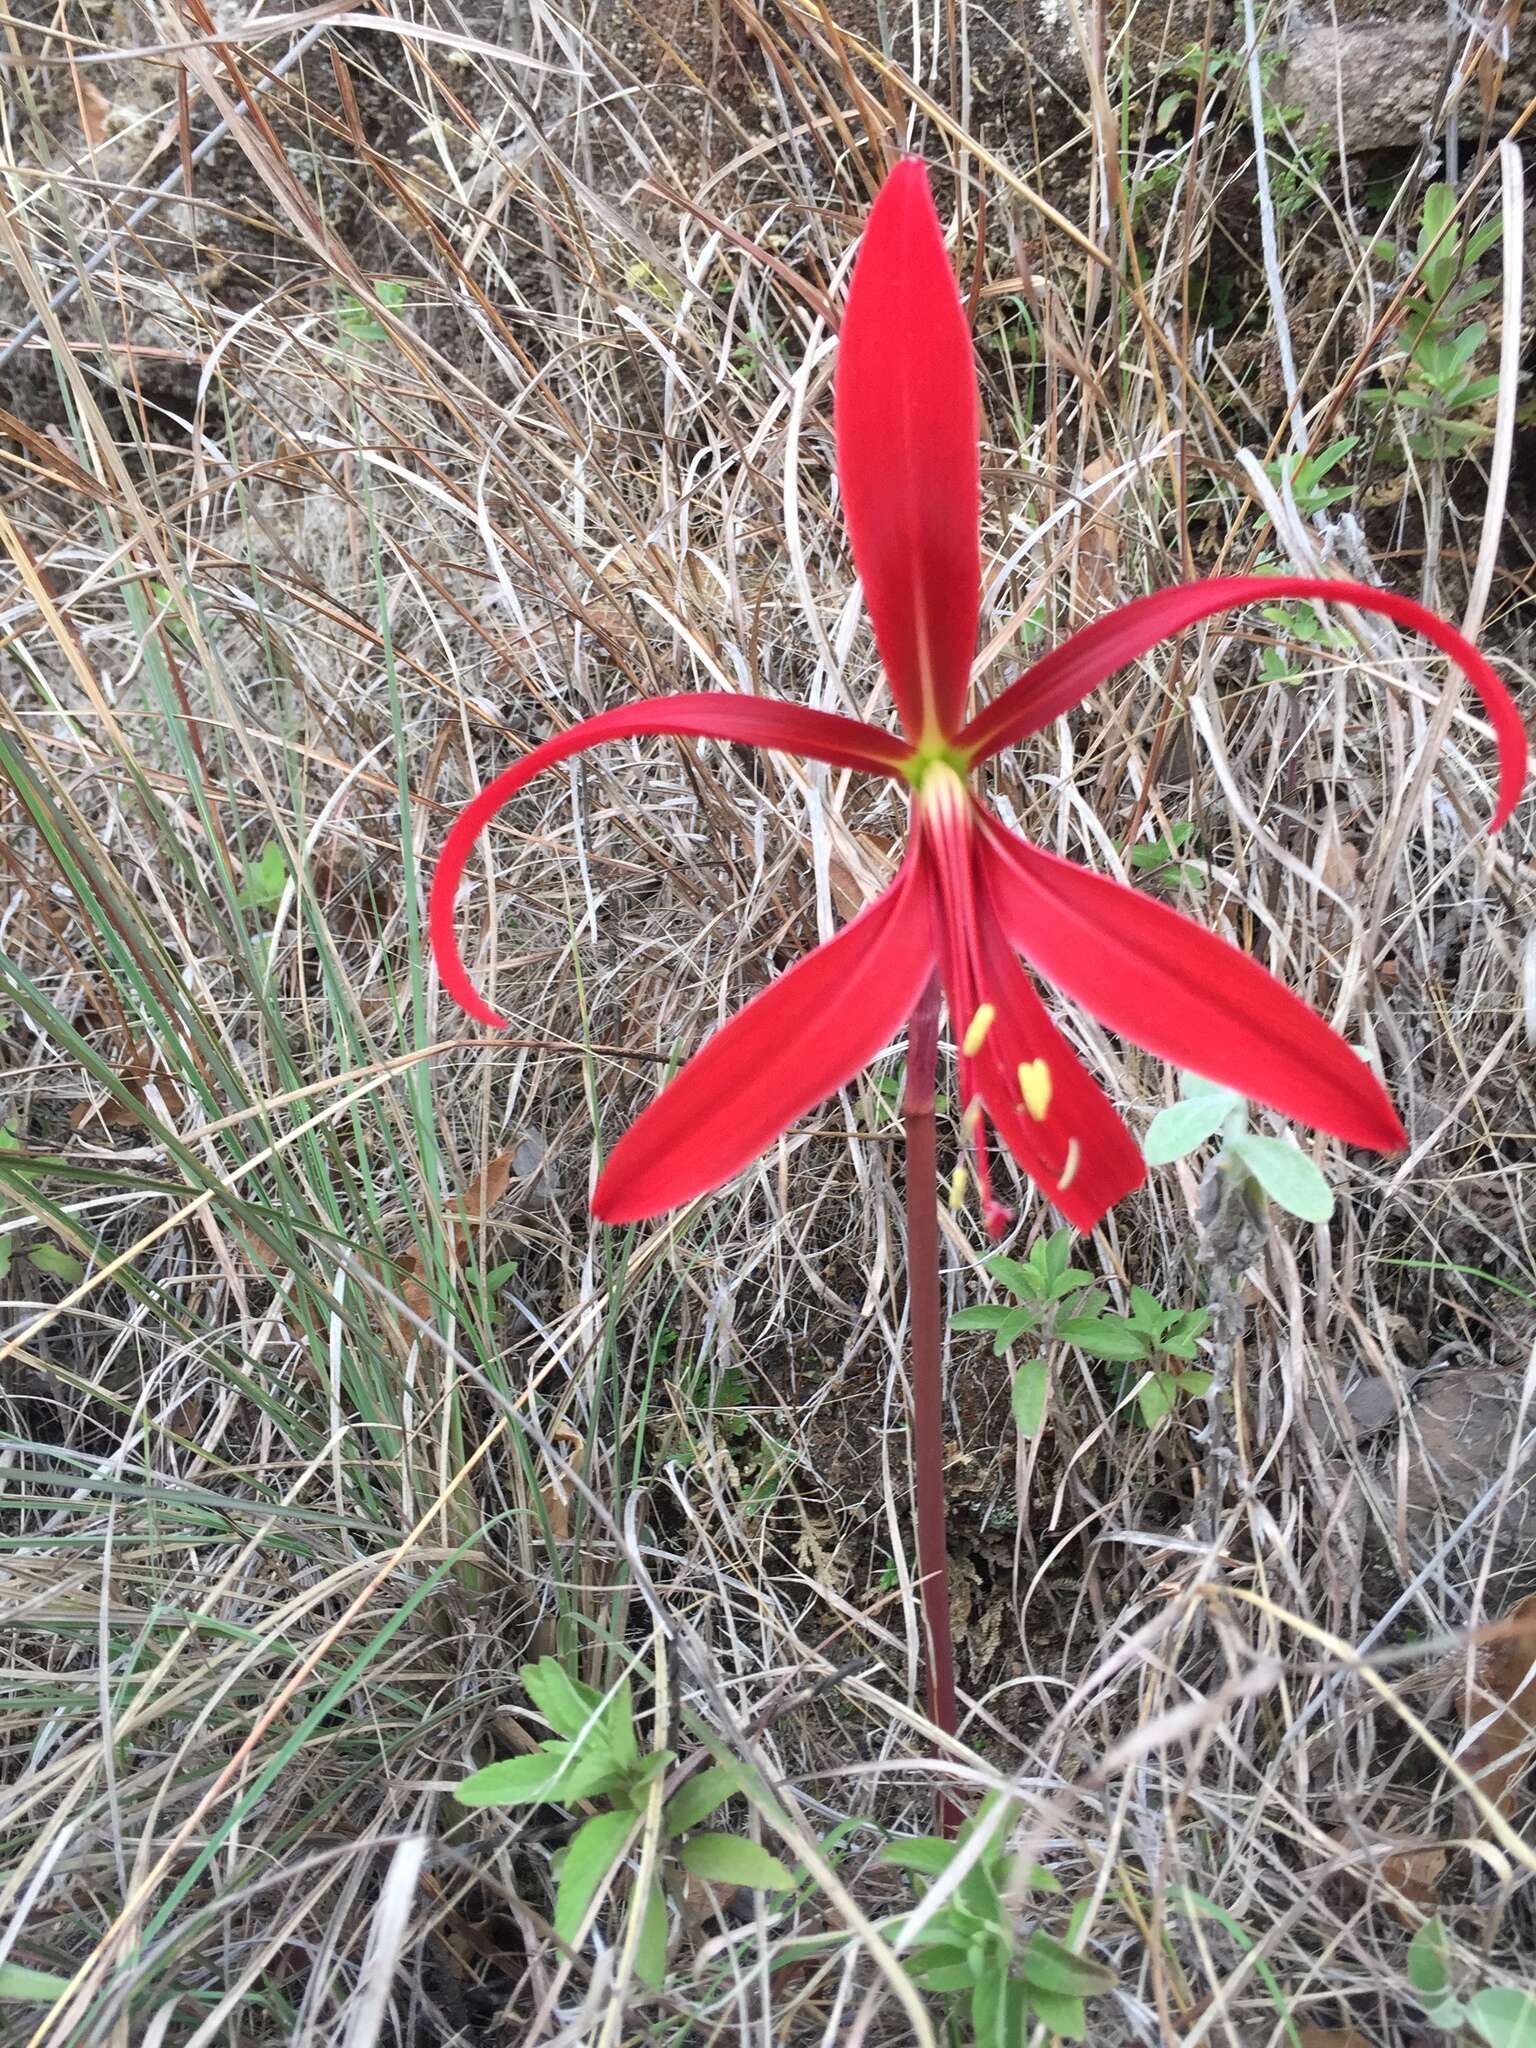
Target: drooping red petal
(907, 420)
(751, 721)
(789, 1049)
(1077, 1148)
(1167, 984)
(1069, 672)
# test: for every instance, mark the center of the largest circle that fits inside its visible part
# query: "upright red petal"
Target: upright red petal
(751, 721)
(1069, 672)
(789, 1049)
(1167, 984)
(907, 421)
(1049, 1111)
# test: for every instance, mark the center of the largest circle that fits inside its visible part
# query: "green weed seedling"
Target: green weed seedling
(595, 1755)
(1160, 860)
(1295, 622)
(1057, 1302)
(357, 321)
(1501, 2015)
(1297, 167)
(1306, 477)
(998, 1974)
(1435, 400)
(1276, 1167)
(265, 879)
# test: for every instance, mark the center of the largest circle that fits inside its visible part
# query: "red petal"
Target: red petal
(752, 721)
(1079, 1138)
(907, 421)
(1069, 672)
(1167, 984)
(789, 1049)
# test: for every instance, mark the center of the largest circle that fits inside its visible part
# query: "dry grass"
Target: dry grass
(291, 1492)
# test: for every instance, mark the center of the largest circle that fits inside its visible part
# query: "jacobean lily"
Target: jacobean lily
(971, 896)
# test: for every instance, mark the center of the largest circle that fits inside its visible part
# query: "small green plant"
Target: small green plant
(1296, 622)
(358, 322)
(595, 1754)
(265, 879)
(1502, 2015)
(53, 1259)
(1160, 860)
(1436, 396)
(889, 1091)
(1297, 167)
(1306, 477)
(483, 1290)
(978, 1951)
(1277, 1167)
(1057, 1302)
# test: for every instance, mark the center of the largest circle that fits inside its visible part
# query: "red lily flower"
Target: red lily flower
(971, 895)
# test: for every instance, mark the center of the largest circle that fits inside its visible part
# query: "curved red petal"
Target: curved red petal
(1069, 672)
(1069, 1138)
(750, 721)
(1169, 985)
(907, 419)
(789, 1049)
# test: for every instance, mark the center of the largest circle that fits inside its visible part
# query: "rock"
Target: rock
(1380, 81)
(1369, 1406)
(1465, 1423)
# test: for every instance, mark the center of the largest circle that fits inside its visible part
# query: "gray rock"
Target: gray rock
(1380, 80)
(1464, 1421)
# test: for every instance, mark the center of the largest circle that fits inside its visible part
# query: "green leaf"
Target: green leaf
(926, 1854)
(30, 1987)
(1429, 1966)
(1102, 1337)
(651, 1945)
(569, 1707)
(52, 1258)
(619, 1725)
(1056, 1254)
(1021, 1280)
(997, 2009)
(1052, 1966)
(1155, 1399)
(1028, 1396)
(943, 1967)
(728, 1859)
(1179, 1337)
(1286, 1175)
(1147, 1312)
(987, 1315)
(1194, 1385)
(1020, 1323)
(697, 1799)
(1505, 2016)
(591, 1855)
(1064, 2015)
(265, 879)
(638, 1781)
(555, 1772)
(1173, 1132)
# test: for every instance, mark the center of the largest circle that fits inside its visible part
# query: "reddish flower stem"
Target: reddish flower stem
(926, 1335)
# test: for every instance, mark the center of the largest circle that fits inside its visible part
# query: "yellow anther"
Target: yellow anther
(976, 1031)
(970, 1123)
(1035, 1087)
(1069, 1171)
(959, 1181)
